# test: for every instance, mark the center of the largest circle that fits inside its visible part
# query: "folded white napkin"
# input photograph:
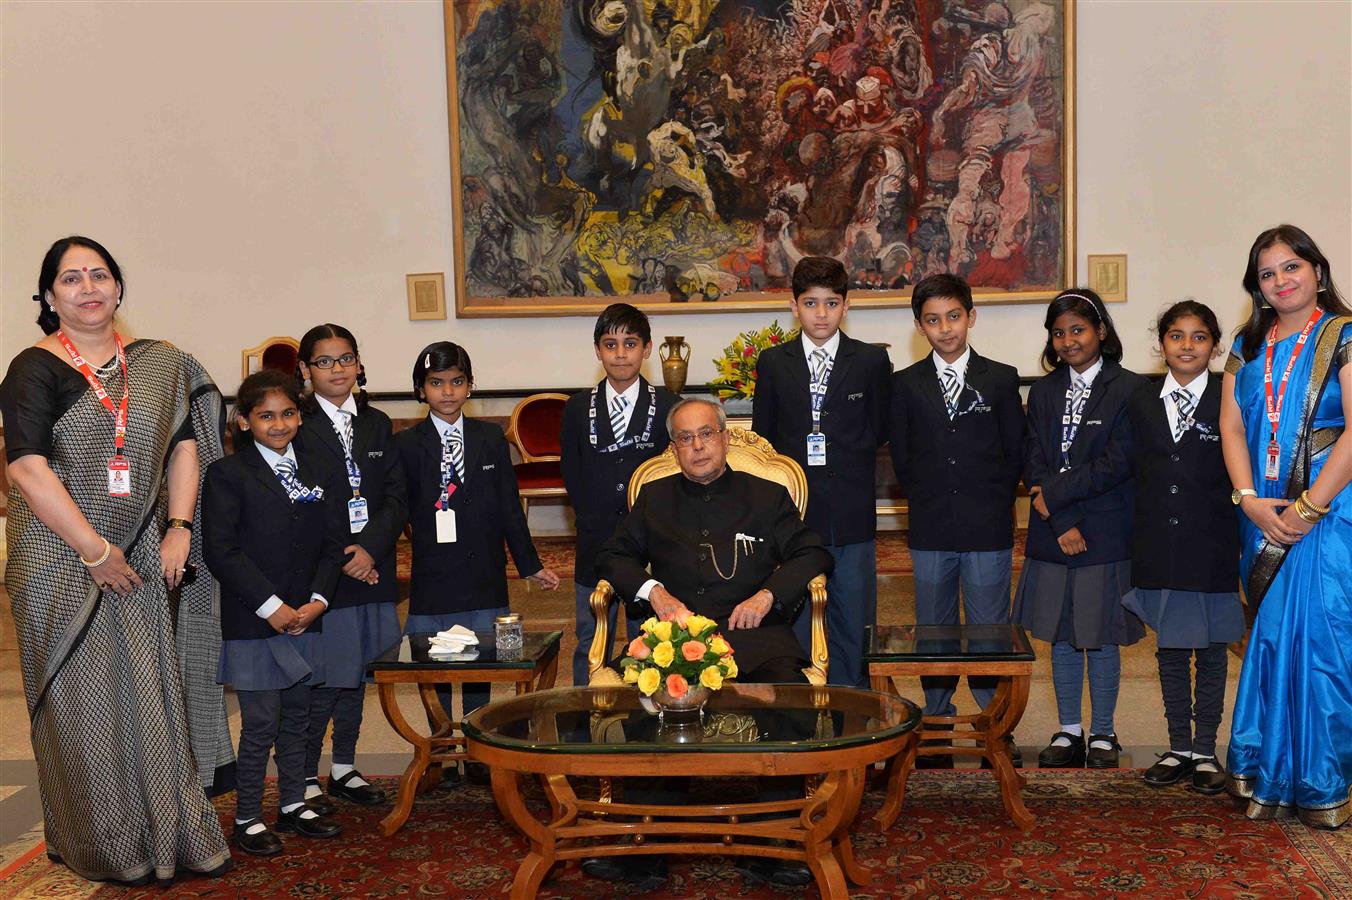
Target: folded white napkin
(453, 640)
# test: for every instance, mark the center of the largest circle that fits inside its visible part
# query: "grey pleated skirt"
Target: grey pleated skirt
(352, 637)
(271, 664)
(1188, 619)
(1081, 605)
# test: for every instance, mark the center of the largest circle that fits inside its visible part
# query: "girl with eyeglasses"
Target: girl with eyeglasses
(355, 443)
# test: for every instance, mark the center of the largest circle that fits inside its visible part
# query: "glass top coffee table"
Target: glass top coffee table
(746, 730)
(533, 667)
(1000, 651)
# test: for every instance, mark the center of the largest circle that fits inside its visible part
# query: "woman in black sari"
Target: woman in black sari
(105, 462)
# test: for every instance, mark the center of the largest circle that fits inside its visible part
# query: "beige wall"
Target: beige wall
(259, 167)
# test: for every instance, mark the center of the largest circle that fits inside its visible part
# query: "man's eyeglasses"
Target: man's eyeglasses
(347, 360)
(687, 438)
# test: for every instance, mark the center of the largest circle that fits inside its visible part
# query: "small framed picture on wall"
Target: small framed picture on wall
(426, 296)
(1108, 276)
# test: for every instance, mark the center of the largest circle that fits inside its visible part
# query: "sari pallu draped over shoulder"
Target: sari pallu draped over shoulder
(128, 725)
(1291, 734)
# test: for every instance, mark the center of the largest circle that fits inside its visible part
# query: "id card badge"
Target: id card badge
(445, 526)
(358, 514)
(816, 449)
(119, 477)
(1274, 462)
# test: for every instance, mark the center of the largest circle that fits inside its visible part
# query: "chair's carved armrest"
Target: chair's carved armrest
(600, 601)
(817, 597)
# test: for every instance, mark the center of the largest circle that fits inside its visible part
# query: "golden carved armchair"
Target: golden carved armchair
(750, 453)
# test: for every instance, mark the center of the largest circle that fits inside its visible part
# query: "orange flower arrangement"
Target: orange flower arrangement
(678, 653)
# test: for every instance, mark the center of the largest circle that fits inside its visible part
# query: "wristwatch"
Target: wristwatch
(1237, 496)
(185, 524)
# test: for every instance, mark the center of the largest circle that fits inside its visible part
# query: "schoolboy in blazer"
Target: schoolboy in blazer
(841, 471)
(597, 463)
(958, 457)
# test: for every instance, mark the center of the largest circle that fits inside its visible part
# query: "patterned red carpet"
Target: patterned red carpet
(557, 554)
(1102, 834)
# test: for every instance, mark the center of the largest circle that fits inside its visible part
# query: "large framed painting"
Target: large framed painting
(684, 154)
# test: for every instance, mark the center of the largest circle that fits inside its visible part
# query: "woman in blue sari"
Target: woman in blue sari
(1287, 398)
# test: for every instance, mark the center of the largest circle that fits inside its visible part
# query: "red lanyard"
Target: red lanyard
(1274, 408)
(119, 414)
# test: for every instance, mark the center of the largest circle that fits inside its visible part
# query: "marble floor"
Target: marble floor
(1140, 720)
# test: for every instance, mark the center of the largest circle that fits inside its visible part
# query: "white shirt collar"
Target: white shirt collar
(444, 428)
(630, 393)
(333, 412)
(959, 365)
(1089, 374)
(272, 457)
(831, 346)
(1196, 387)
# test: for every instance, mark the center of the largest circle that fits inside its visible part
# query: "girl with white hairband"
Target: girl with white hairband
(1078, 469)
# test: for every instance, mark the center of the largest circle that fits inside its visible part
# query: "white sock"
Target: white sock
(305, 811)
(1206, 763)
(312, 789)
(1172, 760)
(1068, 729)
(336, 772)
(1103, 744)
(252, 829)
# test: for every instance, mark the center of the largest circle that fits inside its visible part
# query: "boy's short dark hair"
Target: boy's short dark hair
(820, 271)
(622, 317)
(940, 285)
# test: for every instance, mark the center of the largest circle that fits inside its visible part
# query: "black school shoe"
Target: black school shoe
(1099, 758)
(477, 773)
(942, 761)
(364, 795)
(1162, 773)
(1015, 755)
(315, 826)
(782, 872)
(639, 873)
(320, 802)
(261, 843)
(1068, 757)
(1204, 782)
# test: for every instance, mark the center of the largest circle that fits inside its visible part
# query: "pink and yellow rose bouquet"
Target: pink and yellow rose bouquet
(677, 656)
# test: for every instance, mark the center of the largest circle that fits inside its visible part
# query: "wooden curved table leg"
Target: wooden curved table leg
(1011, 783)
(533, 869)
(851, 796)
(899, 771)
(417, 767)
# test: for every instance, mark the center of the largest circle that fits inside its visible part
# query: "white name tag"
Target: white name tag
(445, 526)
(816, 449)
(358, 514)
(119, 477)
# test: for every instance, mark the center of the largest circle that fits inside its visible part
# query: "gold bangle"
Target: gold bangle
(1305, 512)
(1322, 510)
(95, 563)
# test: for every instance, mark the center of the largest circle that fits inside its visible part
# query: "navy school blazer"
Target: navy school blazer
(257, 543)
(1186, 530)
(1095, 493)
(959, 476)
(382, 484)
(842, 500)
(472, 572)
(598, 483)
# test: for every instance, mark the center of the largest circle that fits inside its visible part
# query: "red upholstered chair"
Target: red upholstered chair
(534, 430)
(278, 353)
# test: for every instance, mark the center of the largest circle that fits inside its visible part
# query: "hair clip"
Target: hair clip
(37, 298)
(427, 361)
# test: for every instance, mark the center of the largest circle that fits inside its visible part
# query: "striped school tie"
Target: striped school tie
(457, 447)
(821, 362)
(345, 433)
(1183, 404)
(949, 382)
(287, 474)
(617, 408)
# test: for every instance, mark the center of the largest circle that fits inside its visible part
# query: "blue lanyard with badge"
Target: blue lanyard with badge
(632, 439)
(444, 518)
(358, 509)
(816, 441)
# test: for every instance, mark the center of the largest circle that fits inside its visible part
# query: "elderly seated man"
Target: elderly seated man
(726, 545)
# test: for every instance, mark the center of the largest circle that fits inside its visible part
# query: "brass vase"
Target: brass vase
(675, 356)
